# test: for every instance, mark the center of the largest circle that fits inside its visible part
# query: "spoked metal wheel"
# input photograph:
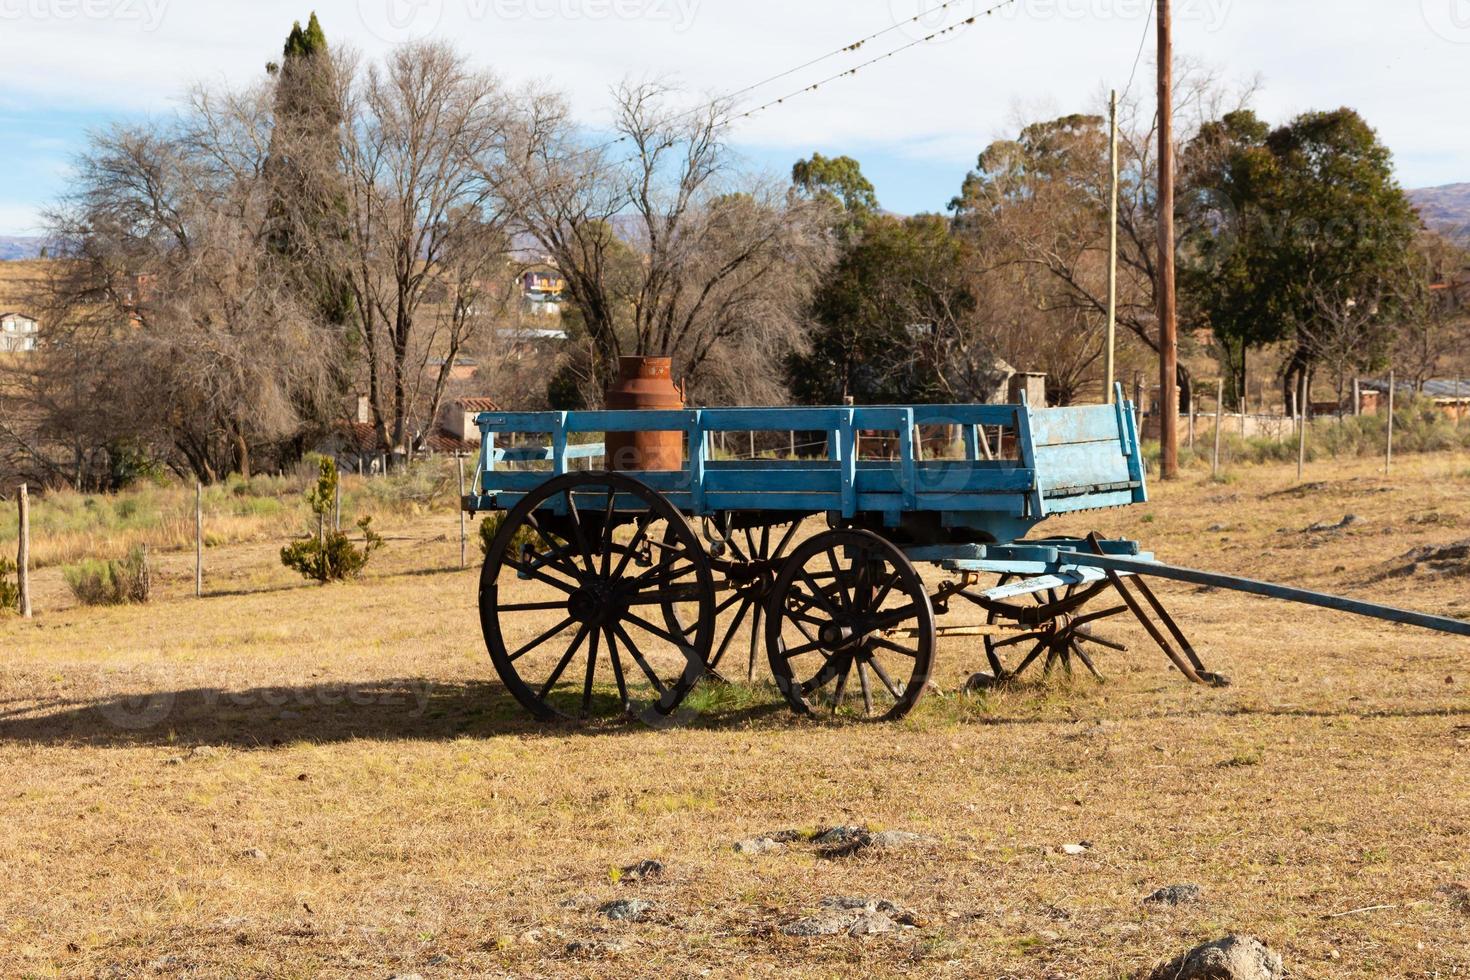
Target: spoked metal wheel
(850, 627)
(745, 558)
(1052, 627)
(569, 591)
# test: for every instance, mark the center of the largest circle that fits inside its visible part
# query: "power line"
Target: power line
(882, 57)
(845, 49)
(1138, 58)
(849, 48)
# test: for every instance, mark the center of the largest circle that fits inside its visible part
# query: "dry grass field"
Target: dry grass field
(282, 780)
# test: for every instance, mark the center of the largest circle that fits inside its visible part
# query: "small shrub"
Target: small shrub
(333, 556)
(114, 582)
(9, 591)
(490, 527)
(329, 555)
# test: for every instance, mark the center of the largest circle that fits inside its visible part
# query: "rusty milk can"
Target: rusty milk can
(645, 383)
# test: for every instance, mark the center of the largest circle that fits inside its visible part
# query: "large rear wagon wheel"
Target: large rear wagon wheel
(566, 594)
(850, 627)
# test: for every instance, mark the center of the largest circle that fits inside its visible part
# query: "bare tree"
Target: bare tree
(1042, 201)
(166, 311)
(720, 267)
(1433, 307)
(418, 132)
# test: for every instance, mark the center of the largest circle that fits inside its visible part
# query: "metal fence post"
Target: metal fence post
(198, 539)
(23, 554)
(1301, 446)
(1388, 458)
(463, 555)
(1219, 424)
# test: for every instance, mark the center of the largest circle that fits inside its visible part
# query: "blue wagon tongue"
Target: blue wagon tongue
(1236, 583)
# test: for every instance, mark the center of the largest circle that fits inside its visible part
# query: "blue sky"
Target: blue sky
(916, 121)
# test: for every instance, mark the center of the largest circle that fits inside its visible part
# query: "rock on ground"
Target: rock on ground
(1174, 895)
(853, 916)
(626, 909)
(1231, 958)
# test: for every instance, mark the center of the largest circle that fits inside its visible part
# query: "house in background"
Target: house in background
(1450, 395)
(18, 332)
(541, 292)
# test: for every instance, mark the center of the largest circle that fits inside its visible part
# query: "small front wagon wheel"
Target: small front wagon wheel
(850, 627)
(570, 591)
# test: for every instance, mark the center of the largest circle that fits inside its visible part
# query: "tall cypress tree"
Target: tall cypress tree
(308, 207)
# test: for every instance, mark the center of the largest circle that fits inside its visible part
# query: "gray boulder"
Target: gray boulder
(1231, 958)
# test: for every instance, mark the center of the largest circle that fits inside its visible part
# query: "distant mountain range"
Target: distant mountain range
(20, 247)
(1445, 209)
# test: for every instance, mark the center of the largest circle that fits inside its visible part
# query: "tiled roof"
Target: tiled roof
(1451, 388)
(477, 404)
(361, 437)
(440, 441)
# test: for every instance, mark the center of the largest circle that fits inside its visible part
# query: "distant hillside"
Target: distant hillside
(1445, 209)
(14, 247)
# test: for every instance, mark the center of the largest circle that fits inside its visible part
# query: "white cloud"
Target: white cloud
(1401, 63)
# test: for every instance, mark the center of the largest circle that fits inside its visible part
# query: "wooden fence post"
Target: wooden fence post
(1219, 424)
(337, 505)
(1388, 458)
(198, 539)
(463, 539)
(1303, 401)
(23, 554)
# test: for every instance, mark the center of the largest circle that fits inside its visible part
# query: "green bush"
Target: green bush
(329, 555)
(9, 591)
(490, 527)
(333, 556)
(114, 582)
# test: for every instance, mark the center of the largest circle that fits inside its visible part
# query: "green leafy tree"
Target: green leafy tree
(838, 182)
(1300, 234)
(329, 555)
(885, 315)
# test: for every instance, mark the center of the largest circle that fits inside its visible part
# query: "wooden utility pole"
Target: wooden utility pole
(1168, 315)
(1387, 459)
(23, 554)
(1110, 363)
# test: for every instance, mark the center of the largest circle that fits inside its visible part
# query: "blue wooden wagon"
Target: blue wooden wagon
(605, 593)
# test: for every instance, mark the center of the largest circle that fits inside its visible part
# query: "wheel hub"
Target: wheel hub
(595, 602)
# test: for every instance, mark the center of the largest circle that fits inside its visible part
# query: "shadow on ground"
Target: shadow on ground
(402, 708)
